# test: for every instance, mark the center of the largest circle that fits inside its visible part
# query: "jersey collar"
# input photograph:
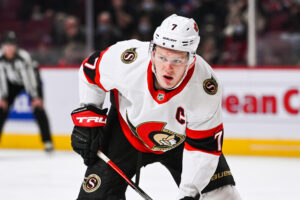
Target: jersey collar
(161, 96)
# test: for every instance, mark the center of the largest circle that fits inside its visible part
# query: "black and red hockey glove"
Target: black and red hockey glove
(88, 132)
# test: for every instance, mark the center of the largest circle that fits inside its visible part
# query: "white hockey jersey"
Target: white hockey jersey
(154, 120)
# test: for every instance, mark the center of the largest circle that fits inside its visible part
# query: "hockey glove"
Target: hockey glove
(88, 132)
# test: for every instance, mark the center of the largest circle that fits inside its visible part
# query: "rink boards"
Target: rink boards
(261, 111)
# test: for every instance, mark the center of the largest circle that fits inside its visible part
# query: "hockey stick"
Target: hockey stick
(121, 173)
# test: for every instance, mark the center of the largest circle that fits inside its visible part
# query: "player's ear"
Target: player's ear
(153, 52)
(152, 55)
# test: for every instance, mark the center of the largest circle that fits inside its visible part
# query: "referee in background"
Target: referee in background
(18, 72)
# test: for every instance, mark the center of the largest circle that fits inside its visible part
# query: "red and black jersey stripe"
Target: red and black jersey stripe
(90, 72)
(209, 141)
(91, 68)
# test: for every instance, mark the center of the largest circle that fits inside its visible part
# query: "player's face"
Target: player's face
(9, 50)
(170, 66)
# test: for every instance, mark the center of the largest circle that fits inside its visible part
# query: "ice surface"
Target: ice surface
(34, 175)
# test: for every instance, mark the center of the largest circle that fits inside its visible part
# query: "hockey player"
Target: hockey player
(165, 107)
(19, 72)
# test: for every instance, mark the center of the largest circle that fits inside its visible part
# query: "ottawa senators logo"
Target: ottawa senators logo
(91, 183)
(210, 86)
(129, 56)
(154, 136)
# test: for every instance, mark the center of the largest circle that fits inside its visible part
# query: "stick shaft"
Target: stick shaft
(121, 173)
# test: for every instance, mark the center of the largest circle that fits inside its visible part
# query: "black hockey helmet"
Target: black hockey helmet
(9, 37)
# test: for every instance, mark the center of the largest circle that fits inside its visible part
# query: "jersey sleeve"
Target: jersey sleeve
(207, 136)
(98, 74)
(201, 155)
(91, 90)
(203, 144)
(107, 70)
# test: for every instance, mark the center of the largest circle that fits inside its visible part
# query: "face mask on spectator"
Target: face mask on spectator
(148, 6)
(103, 28)
(239, 29)
(144, 28)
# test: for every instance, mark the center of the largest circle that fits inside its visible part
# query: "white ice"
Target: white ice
(34, 175)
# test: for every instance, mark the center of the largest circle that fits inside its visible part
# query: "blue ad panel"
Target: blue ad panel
(21, 109)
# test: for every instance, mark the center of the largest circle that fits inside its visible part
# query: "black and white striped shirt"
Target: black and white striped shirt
(18, 71)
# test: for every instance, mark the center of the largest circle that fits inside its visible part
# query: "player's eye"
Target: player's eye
(177, 61)
(163, 59)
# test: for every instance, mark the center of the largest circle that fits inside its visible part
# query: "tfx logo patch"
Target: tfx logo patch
(21, 109)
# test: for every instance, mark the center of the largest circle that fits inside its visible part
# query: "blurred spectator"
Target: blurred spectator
(152, 10)
(211, 18)
(276, 13)
(169, 9)
(235, 32)
(209, 52)
(145, 28)
(260, 24)
(236, 29)
(280, 41)
(74, 33)
(73, 53)
(211, 12)
(106, 33)
(292, 24)
(148, 5)
(45, 53)
(71, 32)
(36, 13)
(222, 25)
(29, 9)
(58, 28)
(70, 36)
(135, 35)
(123, 17)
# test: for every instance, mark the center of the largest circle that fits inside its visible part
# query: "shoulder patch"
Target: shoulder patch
(91, 183)
(210, 86)
(129, 55)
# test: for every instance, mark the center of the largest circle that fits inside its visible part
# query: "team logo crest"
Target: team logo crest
(210, 86)
(91, 183)
(129, 56)
(155, 136)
